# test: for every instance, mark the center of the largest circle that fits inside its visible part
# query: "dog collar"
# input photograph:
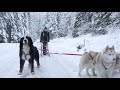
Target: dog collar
(106, 67)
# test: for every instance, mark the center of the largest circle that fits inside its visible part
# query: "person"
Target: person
(44, 38)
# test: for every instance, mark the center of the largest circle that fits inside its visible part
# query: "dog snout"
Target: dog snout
(25, 41)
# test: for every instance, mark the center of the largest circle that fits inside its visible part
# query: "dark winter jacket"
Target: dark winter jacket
(45, 36)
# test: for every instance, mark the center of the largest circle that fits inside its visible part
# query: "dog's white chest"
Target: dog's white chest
(25, 57)
(109, 65)
(26, 50)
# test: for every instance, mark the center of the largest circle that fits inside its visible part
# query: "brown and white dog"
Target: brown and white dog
(102, 64)
(86, 61)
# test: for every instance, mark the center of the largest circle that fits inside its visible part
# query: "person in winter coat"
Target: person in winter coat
(44, 38)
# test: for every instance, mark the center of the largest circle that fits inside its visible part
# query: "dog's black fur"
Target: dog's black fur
(32, 52)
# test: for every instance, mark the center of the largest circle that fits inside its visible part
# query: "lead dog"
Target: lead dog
(104, 62)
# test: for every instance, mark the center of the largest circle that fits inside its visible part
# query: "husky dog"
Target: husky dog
(91, 65)
(86, 61)
(104, 62)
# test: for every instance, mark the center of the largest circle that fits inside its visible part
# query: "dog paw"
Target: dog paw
(33, 73)
(19, 73)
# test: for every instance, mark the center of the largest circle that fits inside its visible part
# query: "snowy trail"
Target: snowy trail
(9, 61)
(51, 67)
(60, 70)
(55, 66)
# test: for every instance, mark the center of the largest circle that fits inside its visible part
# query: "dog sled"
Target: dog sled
(45, 50)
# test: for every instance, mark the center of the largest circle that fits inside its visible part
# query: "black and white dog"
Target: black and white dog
(28, 52)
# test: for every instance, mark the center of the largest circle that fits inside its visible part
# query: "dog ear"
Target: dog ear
(31, 42)
(107, 47)
(90, 56)
(21, 42)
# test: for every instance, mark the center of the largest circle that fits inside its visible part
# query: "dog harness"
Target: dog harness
(103, 63)
(105, 67)
(93, 57)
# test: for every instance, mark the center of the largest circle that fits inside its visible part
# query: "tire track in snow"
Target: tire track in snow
(63, 67)
(53, 69)
(71, 69)
(54, 61)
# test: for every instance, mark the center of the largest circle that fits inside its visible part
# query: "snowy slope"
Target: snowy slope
(55, 66)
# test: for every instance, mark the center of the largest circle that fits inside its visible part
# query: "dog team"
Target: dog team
(102, 64)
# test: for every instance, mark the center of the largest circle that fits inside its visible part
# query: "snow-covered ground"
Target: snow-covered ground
(55, 66)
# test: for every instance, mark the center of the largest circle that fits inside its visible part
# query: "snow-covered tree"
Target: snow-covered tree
(14, 25)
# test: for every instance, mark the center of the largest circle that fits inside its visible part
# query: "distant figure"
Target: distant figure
(80, 46)
(44, 38)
